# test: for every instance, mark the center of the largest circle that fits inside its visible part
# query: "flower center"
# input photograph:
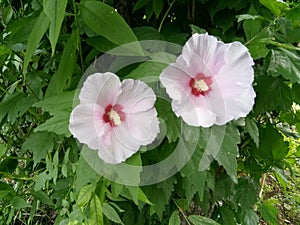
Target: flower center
(200, 85)
(114, 115)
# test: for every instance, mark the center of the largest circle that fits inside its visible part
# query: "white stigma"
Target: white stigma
(201, 85)
(115, 117)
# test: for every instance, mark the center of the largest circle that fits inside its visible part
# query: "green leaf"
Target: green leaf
(197, 30)
(246, 192)
(101, 43)
(227, 216)
(157, 7)
(193, 180)
(6, 191)
(84, 174)
(148, 33)
(147, 69)
(220, 142)
(58, 124)
(111, 213)
(293, 15)
(55, 11)
(272, 146)
(19, 203)
(60, 106)
(269, 212)
(248, 216)
(15, 105)
(85, 195)
(247, 17)
(275, 6)
(286, 63)
(65, 68)
(96, 215)
(58, 103)
(251, 27)
(39, 29)
(174, 219)
(139, 4)
(142, 197)
(105, 21)
(39, 144)
(172, 122)
(272, 94)
(252, 130)
(258, 50)
(42, 197)
(40, 181)
(201, 220)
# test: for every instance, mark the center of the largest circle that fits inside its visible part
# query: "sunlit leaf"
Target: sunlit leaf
(111, 213)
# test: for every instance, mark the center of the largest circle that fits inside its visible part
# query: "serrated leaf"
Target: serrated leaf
(174, 219)
(58, 124)
(172, 122)
(40, 181)
(15, 105)
(252, 130)
(272, 146)
(248, 216)
(39, 29)
(201, 220)
(251, 27)
(269, 212)
(105, 21)
(258, 50)
(272, 94)
(57, 104)
(84, 175)
(157, 197)
(193, 180)
(286, 63)
(60, 106)
(55, 11)
(221, 143)
(246, 192)
(227, 216)
(19, 203)
(65, 68)
(96, 215)
(85, 195)
(42, 197)
(39, 144)
(111, 213)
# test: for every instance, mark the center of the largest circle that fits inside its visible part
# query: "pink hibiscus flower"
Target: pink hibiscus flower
(211, 82)
(114, 118)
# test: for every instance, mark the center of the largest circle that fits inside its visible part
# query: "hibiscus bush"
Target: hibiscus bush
(149, 112)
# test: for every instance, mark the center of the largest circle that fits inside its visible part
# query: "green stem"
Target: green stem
(181, 211)
(14, 177)
(165, 16)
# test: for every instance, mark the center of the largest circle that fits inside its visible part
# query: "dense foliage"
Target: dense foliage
(45, 48)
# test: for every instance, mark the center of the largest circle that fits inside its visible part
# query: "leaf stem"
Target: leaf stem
(165, 16)
(181, 211)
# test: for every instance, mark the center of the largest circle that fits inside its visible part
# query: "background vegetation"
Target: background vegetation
(45, 47)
